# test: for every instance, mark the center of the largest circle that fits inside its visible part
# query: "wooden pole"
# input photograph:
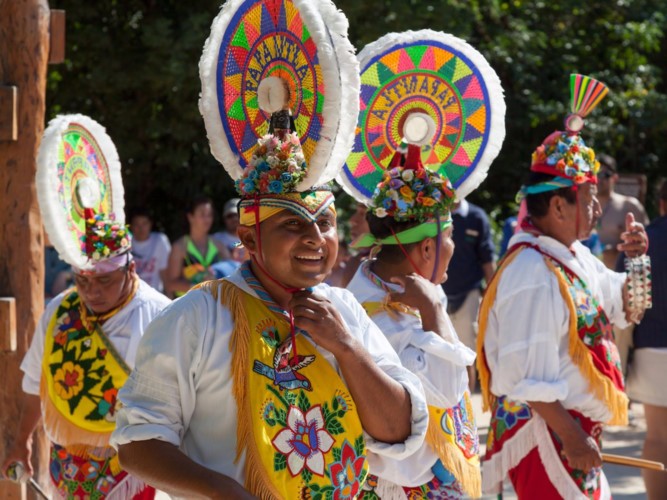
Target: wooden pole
(24, 51)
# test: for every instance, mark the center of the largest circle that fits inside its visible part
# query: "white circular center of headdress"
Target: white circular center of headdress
(272, 94)
(418, 129)
(88, 193)
(574, 123)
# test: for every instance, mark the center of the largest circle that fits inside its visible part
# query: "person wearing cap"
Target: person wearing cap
(548, 365)
(85, 343)
(269, 383)
(229, 235)
(411, 225)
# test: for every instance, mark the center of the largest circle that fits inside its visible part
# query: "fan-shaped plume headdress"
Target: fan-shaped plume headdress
(279, 99)
(80, 192)
(564, 154)
(431, 122)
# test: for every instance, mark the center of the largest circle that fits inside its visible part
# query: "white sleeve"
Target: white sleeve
(159, 397)
(384, 458)
(531, 321)
(31, 366)
(611, 287)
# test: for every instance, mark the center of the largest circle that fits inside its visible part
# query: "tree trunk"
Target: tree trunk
(24, 50)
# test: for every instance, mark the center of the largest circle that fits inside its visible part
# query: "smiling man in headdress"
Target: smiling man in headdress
(269, 383)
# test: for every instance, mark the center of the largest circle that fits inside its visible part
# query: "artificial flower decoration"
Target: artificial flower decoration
(569, 156)
(276, 167)
(104, 238)
(407, 194)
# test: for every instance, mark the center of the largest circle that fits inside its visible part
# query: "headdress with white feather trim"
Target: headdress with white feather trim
(445, 81)
(80, 192)
(289, 59)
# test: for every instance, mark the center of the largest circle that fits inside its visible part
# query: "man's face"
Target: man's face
(231, 222)
(445, 257)
(358, 224)
(606, 181)
(103, 292)
(141, 227)
(296, 252)
(589, 210)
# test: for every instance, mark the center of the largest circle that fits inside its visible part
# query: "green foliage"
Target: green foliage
(132, 65)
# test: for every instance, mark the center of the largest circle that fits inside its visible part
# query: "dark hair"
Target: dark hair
(140, 211)
(607, 161)
(538, 204)
(198, 200)
(382, 228)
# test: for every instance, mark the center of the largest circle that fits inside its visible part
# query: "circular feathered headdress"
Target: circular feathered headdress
(434, 97)
(279, 99)
(80, 192)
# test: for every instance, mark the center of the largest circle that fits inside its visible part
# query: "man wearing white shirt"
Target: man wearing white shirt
(549, 368)
(150, 249)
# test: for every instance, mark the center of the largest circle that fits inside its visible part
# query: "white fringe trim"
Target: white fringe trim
(497, 106)
(340, 74)
(389, 491)
(46, 179)
(534, 434)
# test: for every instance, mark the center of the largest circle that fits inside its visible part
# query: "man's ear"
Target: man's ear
(427, 249)
(247, 236)
(557, 207)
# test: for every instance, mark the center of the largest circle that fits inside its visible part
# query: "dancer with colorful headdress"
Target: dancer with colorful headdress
(548, 365)
(271, 383)
(432, 109)
(85, 343)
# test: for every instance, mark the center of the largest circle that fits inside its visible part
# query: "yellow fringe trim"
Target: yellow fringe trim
(468, 474)
(64, 432)
(487, 301)
(257, 480)
(601, 387)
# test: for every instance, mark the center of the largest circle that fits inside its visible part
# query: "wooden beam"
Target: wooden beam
(7, 324)
(57, 37)
(9, 123)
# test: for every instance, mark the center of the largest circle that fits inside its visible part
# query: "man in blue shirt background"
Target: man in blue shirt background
(474, 260)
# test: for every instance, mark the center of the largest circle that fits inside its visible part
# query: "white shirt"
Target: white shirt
(123, 329)
(152, 257)
(439, 363)
(181, 389)
(526, 342)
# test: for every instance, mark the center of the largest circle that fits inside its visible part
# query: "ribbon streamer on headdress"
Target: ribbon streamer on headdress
(77, 169)
(442, 77)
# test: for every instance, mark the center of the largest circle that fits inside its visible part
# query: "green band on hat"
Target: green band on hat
(428, 229)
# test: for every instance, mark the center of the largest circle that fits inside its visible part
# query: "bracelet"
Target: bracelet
(638, 286)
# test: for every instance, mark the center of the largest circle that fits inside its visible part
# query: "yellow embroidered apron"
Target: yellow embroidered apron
(297, 422)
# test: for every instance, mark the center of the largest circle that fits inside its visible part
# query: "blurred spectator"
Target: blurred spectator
(473, 261)
(57, 273)
(509, 228)
(648, 369)
(228, 236)
(150, 249)
(614, 208)
(193, 255)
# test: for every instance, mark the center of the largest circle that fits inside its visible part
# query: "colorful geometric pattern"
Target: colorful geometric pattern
(80, 157)
(430, 77)
(269, 39)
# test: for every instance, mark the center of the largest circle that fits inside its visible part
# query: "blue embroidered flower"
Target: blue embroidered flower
(252, 175)
(510, 412)
(263, 167)
(286, 177)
